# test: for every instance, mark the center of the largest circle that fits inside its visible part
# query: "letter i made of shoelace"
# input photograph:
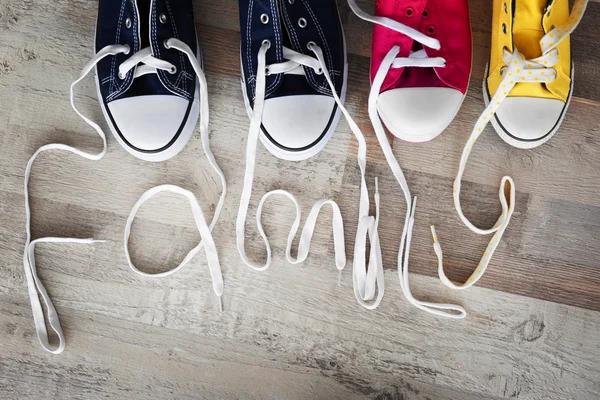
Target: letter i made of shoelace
(417, 59)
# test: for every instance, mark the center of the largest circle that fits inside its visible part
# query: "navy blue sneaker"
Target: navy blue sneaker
(300, 113)
(146, 84)
(294, 81)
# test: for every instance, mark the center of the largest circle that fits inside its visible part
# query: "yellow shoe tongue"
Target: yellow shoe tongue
(527, 27)
(527, 33)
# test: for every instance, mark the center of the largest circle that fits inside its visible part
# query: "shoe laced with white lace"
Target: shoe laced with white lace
(368, 279)
(151, 65)
(417, 59)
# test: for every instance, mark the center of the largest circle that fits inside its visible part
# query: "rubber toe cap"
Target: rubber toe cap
(418, 114)
(529, 118)
(149, 123)
(298, 122)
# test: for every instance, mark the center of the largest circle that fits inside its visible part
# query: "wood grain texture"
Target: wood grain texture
(290, 332)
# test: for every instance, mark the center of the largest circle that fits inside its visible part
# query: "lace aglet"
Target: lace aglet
(220, 303)
(433, 233)
(340, 277)
(413, 207)
(436, 245)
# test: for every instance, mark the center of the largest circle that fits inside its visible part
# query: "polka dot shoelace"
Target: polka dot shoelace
(517, 70)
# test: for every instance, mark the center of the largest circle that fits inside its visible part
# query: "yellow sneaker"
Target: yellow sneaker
(532, 36)
(527, 92)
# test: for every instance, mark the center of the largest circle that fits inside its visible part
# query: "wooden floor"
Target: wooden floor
(533, 329)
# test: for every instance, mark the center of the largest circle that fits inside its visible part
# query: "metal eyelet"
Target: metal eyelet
(431, 29)
(425, 13)
(127, 49)
(166, 44)
(409, 11)
(267, 42)
(505, 8)
(504, 28)
(264, 18)
(128, 23)
(291, 1)
(162, 18)
(302, 23)
(310, 44)
(173, 70)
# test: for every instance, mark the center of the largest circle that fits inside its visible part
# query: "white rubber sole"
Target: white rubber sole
(180, 142)
(314, 150)
(522, 144)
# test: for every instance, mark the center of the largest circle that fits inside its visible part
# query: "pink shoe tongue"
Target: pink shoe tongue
(418, 76)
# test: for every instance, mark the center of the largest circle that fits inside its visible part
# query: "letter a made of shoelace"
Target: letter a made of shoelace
(368, 283)
(517, 69)
(34, 284)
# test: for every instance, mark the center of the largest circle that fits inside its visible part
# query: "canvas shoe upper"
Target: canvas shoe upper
(148, 91)
(426, 82)
(534, 109)
(293, 77)
(300, 113)
(418, 84)
(142, 83)
(545, 75)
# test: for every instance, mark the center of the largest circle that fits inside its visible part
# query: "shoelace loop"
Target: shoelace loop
(206, 241)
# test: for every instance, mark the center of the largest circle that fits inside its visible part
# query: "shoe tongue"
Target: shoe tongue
(292, 84)
(527, 26)
(143, 7)
(148, 84)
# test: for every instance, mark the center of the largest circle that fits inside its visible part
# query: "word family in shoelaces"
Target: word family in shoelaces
(152, 90)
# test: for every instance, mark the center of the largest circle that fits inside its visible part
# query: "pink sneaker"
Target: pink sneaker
(420, 69)
(422, 50)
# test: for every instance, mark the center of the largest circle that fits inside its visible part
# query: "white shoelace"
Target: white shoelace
(368, 283)
(33, 282)
(417, 59)
(518, 69)
(206, 241)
